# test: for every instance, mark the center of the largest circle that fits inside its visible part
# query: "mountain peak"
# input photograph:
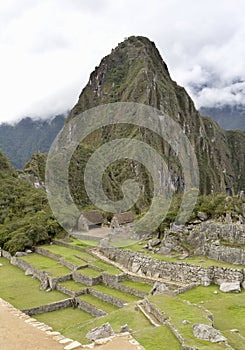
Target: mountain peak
(132, 72)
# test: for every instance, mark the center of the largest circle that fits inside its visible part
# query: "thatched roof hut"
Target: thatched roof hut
(122, 219)
(89, 219)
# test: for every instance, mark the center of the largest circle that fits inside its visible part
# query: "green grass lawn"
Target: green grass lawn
(73, 286)
(79, 242)
(177, 311)
(143, 287)
(22, 291)
(65, 321)
(160, 338)
(100, 304)
(128, 298)
(74, 256)
(107, 267)
(87, 271)
(228, 310)
(46, 264)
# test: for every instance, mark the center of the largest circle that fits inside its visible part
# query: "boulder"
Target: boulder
(19, 254)
(154, 242)
(1, 265)
(125, 329)
(135, 266)
(158, 288)
(28, 272)
(202, 216)
(44, 284)
(227, 287)
(104, 331)
(208, 333)
(243, 284)
(164, 250)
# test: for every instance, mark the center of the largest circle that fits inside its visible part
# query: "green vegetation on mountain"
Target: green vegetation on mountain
(25, 216)
(135, 72)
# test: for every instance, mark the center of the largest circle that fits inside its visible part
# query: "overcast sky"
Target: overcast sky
(48, 48)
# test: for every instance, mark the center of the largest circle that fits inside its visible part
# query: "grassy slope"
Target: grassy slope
(15, 287)
(46, 264)
(228, 310)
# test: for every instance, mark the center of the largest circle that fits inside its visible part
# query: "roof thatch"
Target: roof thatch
(93, 216)
(124, 218)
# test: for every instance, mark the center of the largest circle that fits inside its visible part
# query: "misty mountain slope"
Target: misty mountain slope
(21, 140)
(135, 72)
(228, 117)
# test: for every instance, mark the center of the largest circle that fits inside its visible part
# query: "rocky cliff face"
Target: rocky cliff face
(135, 72)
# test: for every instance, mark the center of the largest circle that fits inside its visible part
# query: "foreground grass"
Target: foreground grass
(228, 310)
(22, 291)
(46, 264)
(75, 324)
(65, 320)
(177, 311)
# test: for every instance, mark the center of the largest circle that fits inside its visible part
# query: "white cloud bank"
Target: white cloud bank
(49, 47)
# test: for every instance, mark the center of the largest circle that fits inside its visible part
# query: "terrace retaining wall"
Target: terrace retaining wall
(179, 272)
(91, 309)
(58, 258)
(70, 292)
(84, 279)
(107, 298)
(58, 305)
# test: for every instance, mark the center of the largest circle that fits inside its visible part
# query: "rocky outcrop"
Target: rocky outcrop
(215, 240)
(206, 332)
(158, 288)
(104, 331)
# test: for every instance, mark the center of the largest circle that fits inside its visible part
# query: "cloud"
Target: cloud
(49, 47)
(229, 95)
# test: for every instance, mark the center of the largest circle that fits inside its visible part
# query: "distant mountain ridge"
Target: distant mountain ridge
(228, 117)
(19, 141)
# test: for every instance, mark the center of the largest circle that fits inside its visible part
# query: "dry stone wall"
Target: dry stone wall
(70, 292)
(179, 272)
(107, 298)
(58, 305)
(91, 309)
(84, 279)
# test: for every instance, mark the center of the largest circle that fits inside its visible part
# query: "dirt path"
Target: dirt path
(17, 333)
